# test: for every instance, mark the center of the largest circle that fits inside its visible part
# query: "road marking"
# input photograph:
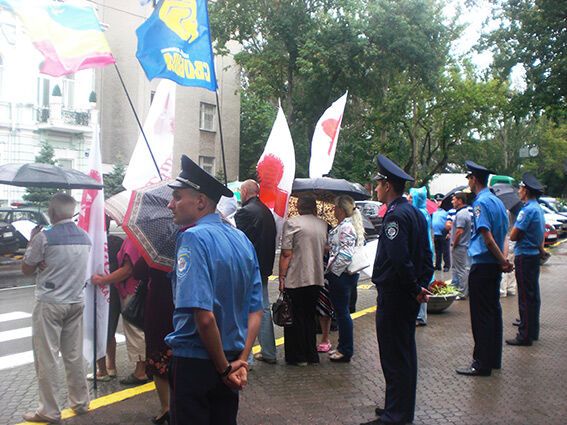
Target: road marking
(15, 360)
(15, 334)
(14, 315)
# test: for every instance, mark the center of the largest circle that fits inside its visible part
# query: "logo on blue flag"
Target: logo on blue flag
(175, 43)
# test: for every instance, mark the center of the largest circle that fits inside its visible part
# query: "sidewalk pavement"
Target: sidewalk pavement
(527, 390)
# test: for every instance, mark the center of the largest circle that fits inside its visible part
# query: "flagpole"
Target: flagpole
(139, 123)
(94, 338)
(221, 138)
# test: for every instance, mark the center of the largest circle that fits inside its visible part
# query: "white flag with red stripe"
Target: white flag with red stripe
(159, 129)
(276, 169)
(91, 220)
(325, 137)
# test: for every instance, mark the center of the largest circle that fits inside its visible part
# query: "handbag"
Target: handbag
(282, 310)
(134, 311)
(359, 261)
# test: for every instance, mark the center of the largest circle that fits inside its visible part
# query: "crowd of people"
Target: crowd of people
(202, 319)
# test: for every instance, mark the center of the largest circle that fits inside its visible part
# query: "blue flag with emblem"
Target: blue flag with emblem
(175, 43)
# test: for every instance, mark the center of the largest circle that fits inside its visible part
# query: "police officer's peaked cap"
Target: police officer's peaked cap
(531, 182)
(388, 170)
(476, 169)
(194, 177)
(438, 196)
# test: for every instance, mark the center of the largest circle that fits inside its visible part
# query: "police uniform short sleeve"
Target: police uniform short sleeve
(523, 220)
(194, 287)
(481, 216)
(256, 303)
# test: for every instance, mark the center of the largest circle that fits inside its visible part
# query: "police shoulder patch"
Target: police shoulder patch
(183, 262)
(392, 229)
(520, 216)
(477, 211)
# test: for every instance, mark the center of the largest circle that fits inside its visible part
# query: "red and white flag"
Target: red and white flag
(159, 129)
(276, 169)
(325, 137)
(91, 220)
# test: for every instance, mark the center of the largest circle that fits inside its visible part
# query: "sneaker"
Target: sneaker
(260, 357)
(324, 347)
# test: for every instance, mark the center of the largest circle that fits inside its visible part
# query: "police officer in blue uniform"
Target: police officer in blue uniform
(488, 263)
(217, 292)
(402, 271)
(528, 232)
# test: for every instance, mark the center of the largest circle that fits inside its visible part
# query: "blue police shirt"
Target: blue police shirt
(216, 270)
(489, 213)
(438, 219)
(531, 222)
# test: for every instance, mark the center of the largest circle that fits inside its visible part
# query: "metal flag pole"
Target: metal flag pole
(221, 139)
(94, 339)
(138, 120)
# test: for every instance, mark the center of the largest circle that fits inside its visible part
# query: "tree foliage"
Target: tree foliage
(113, 180)
(41, 196)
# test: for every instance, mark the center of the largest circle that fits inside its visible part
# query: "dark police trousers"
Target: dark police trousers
(395, 328)
(486, 315)
(529, 302)
(197, 394)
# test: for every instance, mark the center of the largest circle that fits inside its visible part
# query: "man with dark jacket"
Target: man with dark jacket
(402, 271)
(257, 222)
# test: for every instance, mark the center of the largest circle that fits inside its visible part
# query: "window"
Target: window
(65, 163)
(207, 163)
(43, 92)
(69, 92)
(207, 117)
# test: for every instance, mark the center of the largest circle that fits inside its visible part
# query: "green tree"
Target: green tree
(41, 196)
(532, 34)
(113, 180)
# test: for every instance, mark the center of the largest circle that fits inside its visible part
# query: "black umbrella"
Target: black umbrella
(45, 175)
(326, 188)
(446, 202)
(508, 194)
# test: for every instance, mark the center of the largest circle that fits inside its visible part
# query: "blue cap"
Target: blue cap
(474, 168)
(194, 177)
(531, 182)
(388, 170)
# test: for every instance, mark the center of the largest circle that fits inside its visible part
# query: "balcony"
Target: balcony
(69, 121)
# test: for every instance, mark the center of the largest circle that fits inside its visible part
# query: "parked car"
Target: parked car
(23, 218)
(553, 205)
(8, 238)
(370, 209)
(557, 220)
(550, 235)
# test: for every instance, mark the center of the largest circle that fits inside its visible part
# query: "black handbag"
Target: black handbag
(134, 311)
(282, 310)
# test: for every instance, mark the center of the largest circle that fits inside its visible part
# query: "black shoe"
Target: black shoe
(381, 422)
(472, 371)
(379, 411)
(516, 322)
(161, 419)
(517, 341)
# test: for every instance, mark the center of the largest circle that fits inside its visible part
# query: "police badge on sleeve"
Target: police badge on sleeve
(391, 230)
(477, 211)
(183, 262)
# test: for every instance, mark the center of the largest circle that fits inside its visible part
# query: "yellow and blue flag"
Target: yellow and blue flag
(175, 43)
(68, 35)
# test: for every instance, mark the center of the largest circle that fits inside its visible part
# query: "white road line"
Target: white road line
(15, 360)
(26, 357)
(15, 334)
(14, 315)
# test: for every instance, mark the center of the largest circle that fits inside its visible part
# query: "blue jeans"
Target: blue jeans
(340, 288)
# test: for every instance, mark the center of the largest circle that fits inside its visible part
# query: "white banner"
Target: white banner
(325, 138)
(159, 129)
(91, 220)
(276, 169)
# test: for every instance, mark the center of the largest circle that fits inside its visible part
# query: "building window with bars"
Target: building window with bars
(207, 163)
(207, 117)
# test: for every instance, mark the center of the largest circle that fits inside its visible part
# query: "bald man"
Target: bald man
(257, 222)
